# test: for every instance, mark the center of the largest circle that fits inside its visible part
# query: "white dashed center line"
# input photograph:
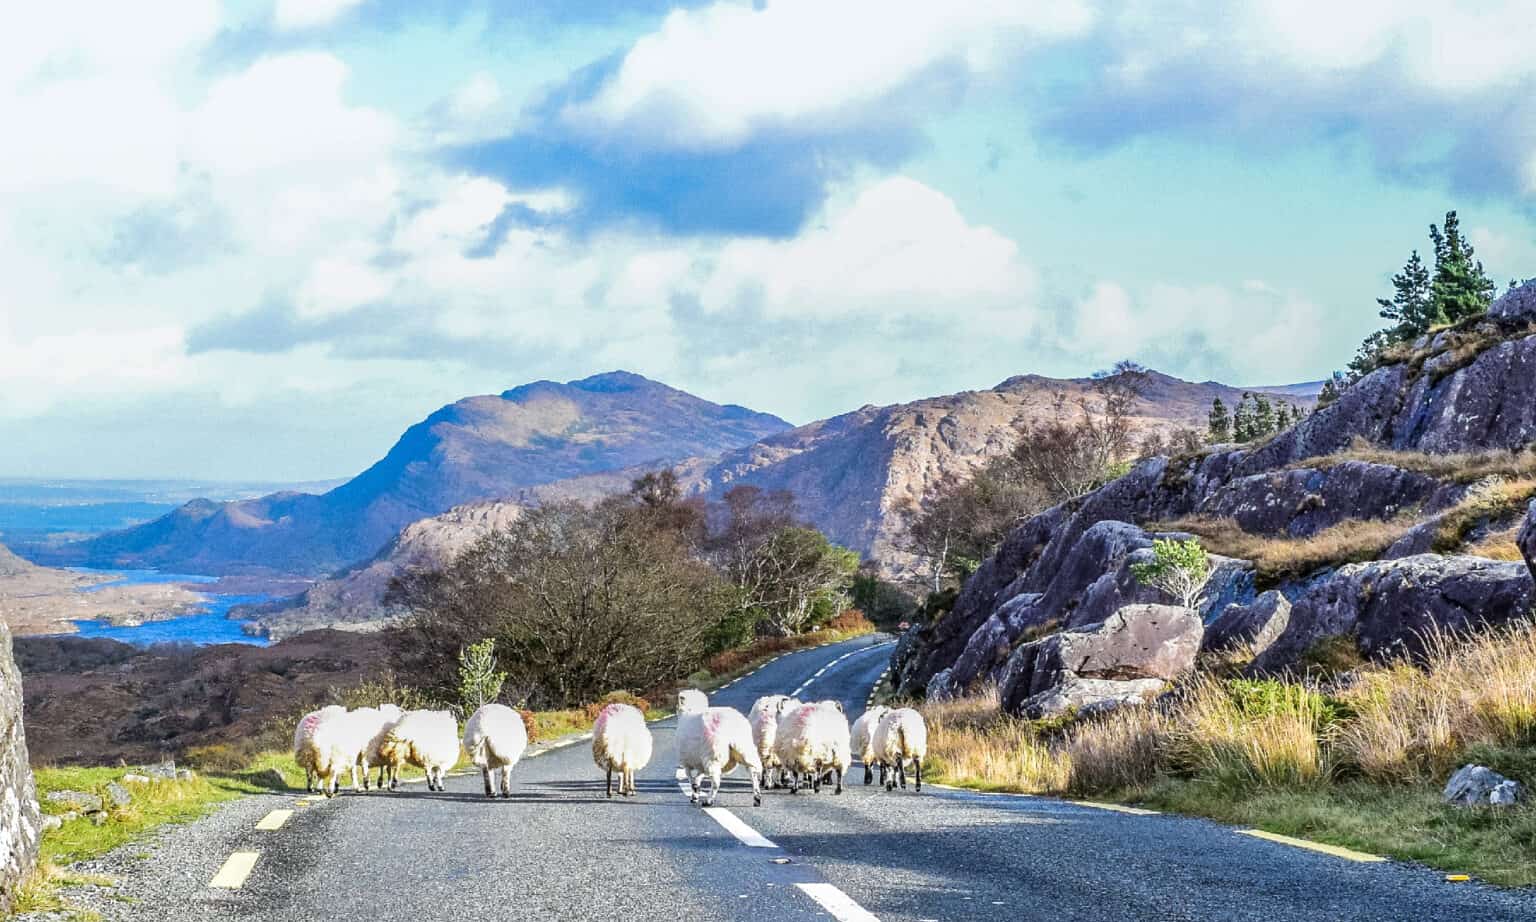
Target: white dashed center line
(234, 872)
(745, 834)
(807, 683)
(839, 904)
(274, 820)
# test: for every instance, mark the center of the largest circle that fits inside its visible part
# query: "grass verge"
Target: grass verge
(1359, 765)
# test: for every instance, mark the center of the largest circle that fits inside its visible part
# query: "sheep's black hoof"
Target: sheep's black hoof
(505, 795)
(757, 800)
(839, 790)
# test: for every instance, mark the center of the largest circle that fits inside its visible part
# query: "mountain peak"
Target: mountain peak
(613, 382)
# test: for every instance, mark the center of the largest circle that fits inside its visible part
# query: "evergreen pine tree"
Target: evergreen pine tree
(1242, 419)
(1460, 288)
(1411, 308)
(1220, 429)
(1331, 389)
(1263, 417)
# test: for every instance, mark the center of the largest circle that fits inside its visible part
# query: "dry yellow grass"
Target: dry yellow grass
(1277, 559)
(1460, 468)
(1124, 749)
(971, 742)
(1411, 724)
(1263, 740)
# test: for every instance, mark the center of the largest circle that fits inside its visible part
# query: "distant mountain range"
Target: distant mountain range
(850, 474)
(480, 447)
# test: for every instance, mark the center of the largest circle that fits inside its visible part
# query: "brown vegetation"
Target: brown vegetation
(1278, 559)
(1457, 468)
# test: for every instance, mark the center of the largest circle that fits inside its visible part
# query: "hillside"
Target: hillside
(1393, 514)
(46, 600)
(853, 473)
(849, 475)
(498, 446)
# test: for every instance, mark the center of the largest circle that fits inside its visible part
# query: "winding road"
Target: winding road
(559, 850)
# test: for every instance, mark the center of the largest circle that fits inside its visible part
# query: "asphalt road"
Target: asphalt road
(559, 850)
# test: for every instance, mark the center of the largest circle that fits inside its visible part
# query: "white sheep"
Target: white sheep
(813, 740)
(428, 740)
(390, 715)
(862, 739)
(621, 742)
(713, 742)
(495, 738)
(690, 701)
(317, 744)
(764, 717)
(901, 736)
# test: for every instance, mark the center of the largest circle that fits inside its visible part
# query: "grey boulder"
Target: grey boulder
(1137, 642)
(1480, 786)
(1255, 624)
(85, 802)
(1516, 304)
(118, 795)
(1089, 696)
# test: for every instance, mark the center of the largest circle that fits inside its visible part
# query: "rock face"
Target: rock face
(1516, 305)
(489, 447)
(1527, 539)
(1142, 644)
(1391, 606)
(1469, 389)
(1480, 786)
(1257, 624)
(20, 820)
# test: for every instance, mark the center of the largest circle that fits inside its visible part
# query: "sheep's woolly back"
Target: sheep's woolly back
(901, 735)
(389, 715)
(765, 730)
(692, 701)
(814, 736)
(767, 704)
(495, 736)
(862, 739)
(320, 740)
(423, 739)
(310, 722)
(719, 737)
(620, 739)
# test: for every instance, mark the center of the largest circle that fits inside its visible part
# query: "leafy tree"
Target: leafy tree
(1460, 288)
(480, 681)
(1179, 568)
(1219, 428)
(882, 601)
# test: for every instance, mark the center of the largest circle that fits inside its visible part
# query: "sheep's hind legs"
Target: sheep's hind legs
(610, 783)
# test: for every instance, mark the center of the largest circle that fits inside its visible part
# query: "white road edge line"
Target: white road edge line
(235, 870)
(733, 824)
(839, 904)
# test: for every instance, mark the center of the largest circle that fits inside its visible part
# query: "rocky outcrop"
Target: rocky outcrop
(1256, 624)
(1136, 644)
(1527, 538)
(20, 820)
(1392, 606)
(1481, 786)
(1468, 389)
(1516, 306)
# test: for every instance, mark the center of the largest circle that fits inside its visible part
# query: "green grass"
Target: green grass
(1404, 822)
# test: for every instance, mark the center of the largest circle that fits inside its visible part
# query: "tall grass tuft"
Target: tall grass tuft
(971, 741)
(1122, 750)
(1262, 734)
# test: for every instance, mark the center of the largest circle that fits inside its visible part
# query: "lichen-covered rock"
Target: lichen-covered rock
(1301, 502)
(1527, 539)
(1392, 606)
(1256, 624)
(1518, 304)
(1136, 642)
(20, 819)
(1083, 697)
(1480, 786)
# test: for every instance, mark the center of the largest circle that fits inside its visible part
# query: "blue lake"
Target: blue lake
(209, 626)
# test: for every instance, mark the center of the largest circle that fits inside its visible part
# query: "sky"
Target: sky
(256, 240)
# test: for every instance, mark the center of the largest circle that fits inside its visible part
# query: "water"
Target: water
(209, 626)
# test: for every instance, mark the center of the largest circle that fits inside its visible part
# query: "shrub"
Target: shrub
(617, 697)
(1179, 568)
(1278, 559)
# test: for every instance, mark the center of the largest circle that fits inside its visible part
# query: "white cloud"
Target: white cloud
(308, 14)
(713, 77)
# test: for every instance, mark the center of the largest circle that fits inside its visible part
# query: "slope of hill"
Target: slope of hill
(478, 448)
(853, 473)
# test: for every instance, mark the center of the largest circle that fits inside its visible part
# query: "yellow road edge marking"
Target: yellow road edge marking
(1118, 808)
(274, 820)
(1334, 850)
(235, 870)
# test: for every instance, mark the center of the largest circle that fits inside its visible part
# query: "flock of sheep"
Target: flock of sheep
(782, 742)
